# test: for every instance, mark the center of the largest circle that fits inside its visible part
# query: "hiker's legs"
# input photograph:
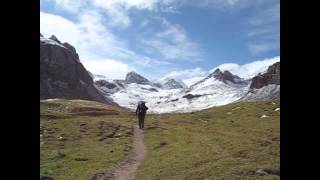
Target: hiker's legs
(142, 121)
(139, 123)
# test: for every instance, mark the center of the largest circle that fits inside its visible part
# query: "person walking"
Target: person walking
(141, 113)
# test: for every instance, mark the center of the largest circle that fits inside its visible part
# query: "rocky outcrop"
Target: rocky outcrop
(265, 86)
(110, 86)
(54, 38)
(226, 76)
(191, 96)
(222, 76)
(272, 76)
(62, 75)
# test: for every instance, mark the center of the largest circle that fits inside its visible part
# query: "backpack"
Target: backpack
(142, 108)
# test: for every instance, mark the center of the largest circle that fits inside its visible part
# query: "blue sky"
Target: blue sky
(157, 38)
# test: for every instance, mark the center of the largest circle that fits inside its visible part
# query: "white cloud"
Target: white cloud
(223, 5)
(93, 40)
(108, 67)
(267, 15)
(117, 10)
(63, 28)
(248, 70)
(97, 39)
(183, 74)
(265, 29)
(70, 5)
(151, 5)
(173, 43)
(89, 36)
(256, 48)
(118, 18)
(126, 4)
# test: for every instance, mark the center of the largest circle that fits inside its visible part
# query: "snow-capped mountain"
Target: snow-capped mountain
(137, 88)
(224, 76)
(174, 84)
(133, 77)
(171, 95)
(250, 70)
(218, 88)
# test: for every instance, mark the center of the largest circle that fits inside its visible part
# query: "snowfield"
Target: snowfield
(170, 95)
(264, 93)
(205, 95)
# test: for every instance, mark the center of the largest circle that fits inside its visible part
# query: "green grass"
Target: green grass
(81, 138)
(228, 142)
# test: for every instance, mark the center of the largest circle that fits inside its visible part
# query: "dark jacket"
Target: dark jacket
(141, 109)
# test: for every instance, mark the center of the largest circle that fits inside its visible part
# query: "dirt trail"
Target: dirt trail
(128, 168)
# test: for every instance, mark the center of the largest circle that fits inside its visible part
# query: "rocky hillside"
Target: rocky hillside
(62, 75)
(272, 76)
(265, 86)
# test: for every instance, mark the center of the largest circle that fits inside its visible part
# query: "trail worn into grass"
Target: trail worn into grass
(128, 168)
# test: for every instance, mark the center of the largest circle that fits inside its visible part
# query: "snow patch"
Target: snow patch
(210, 93)
(264, 93)
(264, 116)
(50, 41)
(236, 108)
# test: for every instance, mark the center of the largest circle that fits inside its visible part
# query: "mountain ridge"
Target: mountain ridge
(218, 88)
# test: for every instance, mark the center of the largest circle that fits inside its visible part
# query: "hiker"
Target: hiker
(141, 113)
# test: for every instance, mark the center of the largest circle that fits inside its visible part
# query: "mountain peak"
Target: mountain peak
(225, 76)
(53, 40)
(174, 84)
(131, 73)
(133, 77)
(53, 37)
(217, 71)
